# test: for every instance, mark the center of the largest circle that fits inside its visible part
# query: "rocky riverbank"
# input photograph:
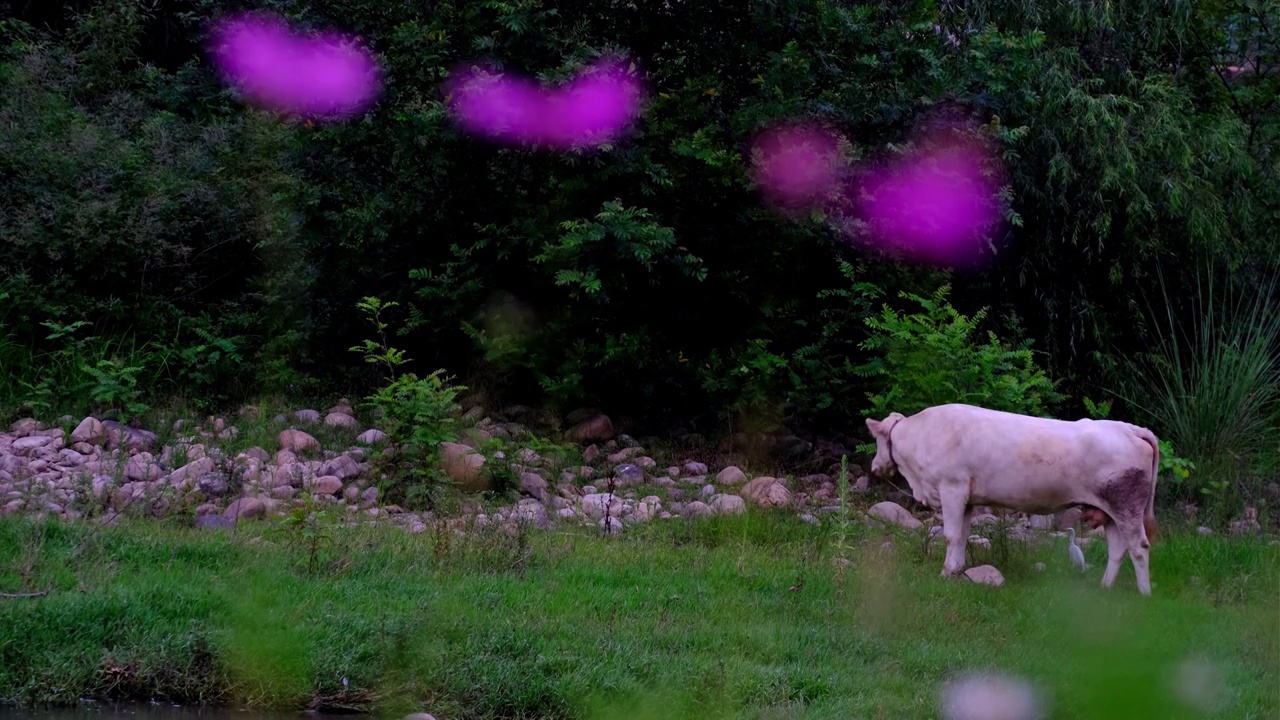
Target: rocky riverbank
(102, 470)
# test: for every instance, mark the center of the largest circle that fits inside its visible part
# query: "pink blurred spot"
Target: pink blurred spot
(593, 109)
(936, 207)
(324, 75)
(796, 164)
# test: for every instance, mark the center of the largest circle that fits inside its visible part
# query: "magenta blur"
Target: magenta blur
(596, 107)
(322, 75)
(797, 164)
(938, 206)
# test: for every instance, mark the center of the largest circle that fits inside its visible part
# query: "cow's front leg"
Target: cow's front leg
(1116, 547)
(955, 526)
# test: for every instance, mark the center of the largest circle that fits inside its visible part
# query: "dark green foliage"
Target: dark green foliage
(222, 251)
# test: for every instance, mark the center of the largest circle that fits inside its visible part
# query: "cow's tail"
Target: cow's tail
(1149, 519)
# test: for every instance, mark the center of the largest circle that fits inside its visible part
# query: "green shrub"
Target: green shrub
(417, 414)
(932, 357)
(1212, 386)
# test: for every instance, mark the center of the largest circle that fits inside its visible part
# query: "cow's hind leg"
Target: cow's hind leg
(955, 526)
(1139, 552)
(1127, 495)
(1116, 547)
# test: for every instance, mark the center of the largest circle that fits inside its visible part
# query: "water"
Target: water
(150, 711)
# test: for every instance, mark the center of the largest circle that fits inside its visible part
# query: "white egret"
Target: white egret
(1073, 550)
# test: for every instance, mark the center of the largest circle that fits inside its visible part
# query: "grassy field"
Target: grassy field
(670, 620)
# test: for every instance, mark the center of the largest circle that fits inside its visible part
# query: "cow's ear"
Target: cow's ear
(874, 426)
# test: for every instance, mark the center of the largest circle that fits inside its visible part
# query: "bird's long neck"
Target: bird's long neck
(1071, 533)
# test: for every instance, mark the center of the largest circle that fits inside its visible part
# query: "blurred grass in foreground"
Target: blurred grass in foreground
(669, 620)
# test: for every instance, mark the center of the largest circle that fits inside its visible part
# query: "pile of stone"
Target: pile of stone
(105, 470)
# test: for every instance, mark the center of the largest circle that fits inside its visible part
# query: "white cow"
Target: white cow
(957, 456)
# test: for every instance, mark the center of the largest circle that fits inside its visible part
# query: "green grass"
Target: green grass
(669, 620)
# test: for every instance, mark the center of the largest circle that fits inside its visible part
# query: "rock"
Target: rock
(766, 492)
(728, 505)
(89, 431)
(25, 427)
(464, 466)
(1040, 567)
(308, 416)
(646, 509)
(138, 439)
(70, 458)
(245, 508)
(1204, 530)
(341, 467)
(1041, 522)
(693, 468)
(806, 517)
(597, 505)
(628, 474)
(696, 509)
(419, 716)
(990, 697)
(531, 511)
(192, 472)
(985, 575)
(369, 496)
(979, 541)
(324, 485)
(371, 436)
(293, 474)
(597, 427)
(980, 519)
(646, 463)
(337, 419)
(535, 486)
(142, 468)
(566, 512)
(297, 441)
(624, 454)
(731, 476)
(707, 491)
(1068, 518)
(27, 445)
(591, 454)
(895, 513)
(610, 524)
(212, 484)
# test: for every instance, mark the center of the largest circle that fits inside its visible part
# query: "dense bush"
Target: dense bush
(208, 244)
(932, 357)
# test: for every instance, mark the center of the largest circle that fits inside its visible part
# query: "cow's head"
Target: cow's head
(883, 464)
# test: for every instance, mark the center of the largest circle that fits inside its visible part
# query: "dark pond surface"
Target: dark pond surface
(153, 711)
